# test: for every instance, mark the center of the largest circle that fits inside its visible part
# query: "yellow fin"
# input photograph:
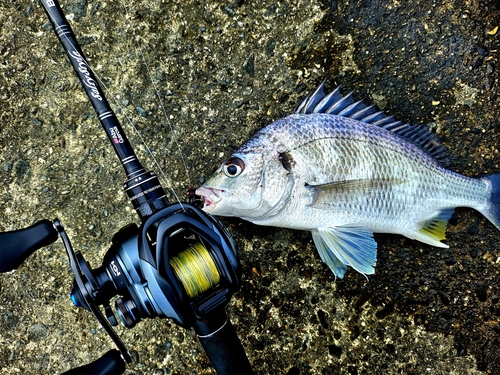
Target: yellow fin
(434, 231)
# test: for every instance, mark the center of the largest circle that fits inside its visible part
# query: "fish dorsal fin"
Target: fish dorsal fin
(340, 247)
(335, 104)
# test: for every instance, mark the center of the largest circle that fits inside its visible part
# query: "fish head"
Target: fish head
(235, 187)
(247, 185)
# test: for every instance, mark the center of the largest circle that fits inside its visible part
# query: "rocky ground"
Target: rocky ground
(223, 70)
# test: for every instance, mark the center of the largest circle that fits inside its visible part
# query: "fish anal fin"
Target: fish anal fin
(433, 231)
(340, 247)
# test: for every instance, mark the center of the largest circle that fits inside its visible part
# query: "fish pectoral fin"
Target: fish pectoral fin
(434, 230)
(329, 193)
(340, 247)
(361, 183)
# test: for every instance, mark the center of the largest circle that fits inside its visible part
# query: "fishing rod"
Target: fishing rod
(180, 263)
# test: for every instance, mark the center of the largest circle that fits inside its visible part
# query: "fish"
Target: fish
(344, 170)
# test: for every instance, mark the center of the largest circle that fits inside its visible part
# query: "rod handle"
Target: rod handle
(225, 351)
(111, 363)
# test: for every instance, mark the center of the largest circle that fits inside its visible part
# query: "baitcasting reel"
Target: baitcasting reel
(187, 272)
(179, 264)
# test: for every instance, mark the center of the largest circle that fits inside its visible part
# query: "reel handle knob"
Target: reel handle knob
(110, 363)
(17, 245)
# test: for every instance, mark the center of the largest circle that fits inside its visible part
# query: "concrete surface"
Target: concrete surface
(224, 69)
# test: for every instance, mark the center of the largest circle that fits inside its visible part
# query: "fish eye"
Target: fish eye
(233, 167)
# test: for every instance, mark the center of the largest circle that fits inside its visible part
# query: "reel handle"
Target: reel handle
(111, 363)
(17, 245)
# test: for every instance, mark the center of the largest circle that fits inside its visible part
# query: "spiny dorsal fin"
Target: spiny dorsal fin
(334, 103)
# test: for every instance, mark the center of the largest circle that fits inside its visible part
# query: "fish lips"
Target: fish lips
(211, 196)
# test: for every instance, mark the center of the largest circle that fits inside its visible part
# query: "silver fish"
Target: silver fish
(344, 171)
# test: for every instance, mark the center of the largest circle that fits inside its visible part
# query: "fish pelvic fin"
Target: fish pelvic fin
(492, 212)
(433, 231)
(340, 247)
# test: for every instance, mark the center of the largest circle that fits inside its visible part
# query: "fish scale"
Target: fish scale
(366, 153)
(346, 178)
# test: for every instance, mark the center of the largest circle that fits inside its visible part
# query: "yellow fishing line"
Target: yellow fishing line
(195, 269)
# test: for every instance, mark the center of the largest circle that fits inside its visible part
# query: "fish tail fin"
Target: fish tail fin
(492, 210)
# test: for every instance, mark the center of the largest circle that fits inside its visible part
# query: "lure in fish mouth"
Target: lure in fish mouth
(210, 196)
(344, 170)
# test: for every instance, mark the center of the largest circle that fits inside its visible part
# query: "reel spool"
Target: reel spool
(196, 270)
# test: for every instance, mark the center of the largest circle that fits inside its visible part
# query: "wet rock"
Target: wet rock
(21, 168)
(248, 64)
(7, 166)
(37, 332)
(9, 319)
(76, 7)
(141, 111)
(482, 50)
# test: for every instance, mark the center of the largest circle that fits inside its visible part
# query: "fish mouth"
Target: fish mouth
(211, 196)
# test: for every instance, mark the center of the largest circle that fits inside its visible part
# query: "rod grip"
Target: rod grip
(225, 351)
(110, 363)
